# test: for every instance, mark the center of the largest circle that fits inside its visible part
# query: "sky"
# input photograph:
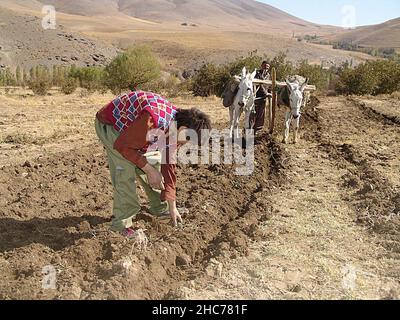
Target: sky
(345, 13)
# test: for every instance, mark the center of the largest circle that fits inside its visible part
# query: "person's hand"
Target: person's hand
(154, 177)
(175, 216)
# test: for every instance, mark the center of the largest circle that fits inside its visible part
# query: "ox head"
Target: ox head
(296, 96)
(246, 89)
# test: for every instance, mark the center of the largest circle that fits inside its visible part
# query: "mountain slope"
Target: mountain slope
(218, 13)
(24, 42)
(381, 35)
(225, 29)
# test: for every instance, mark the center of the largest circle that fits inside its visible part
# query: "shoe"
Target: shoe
(129, 233)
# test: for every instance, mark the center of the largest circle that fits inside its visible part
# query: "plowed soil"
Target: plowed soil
(56, 199)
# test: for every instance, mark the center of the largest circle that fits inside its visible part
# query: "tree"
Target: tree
(132, 69)
(24, 78)
(32, 73)
(18, 76)
(7, 78)
(283, 67)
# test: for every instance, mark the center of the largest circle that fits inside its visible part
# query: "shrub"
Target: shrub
(208, 80)
(170, 86)
(372, 77)
(136, 67)
(315, 74)
(7, 78)
(69, 86)
(388, 74)
(251, 62)
(90, 78)
(284, 68)
(40, 84)
(211, 79)
(40, 87)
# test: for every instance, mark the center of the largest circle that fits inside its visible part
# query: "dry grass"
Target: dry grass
(395, 95)
(45, 124)
(56, 122)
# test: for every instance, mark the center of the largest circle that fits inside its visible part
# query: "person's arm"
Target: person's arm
(174, 213)
(168, 170)
(134, 139)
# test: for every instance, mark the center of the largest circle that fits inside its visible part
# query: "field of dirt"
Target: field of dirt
(287, 231)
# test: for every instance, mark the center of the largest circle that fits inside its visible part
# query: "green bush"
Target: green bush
(131, 69)
(40, 87)
(316, 74)
(388, 74)
(60, 73)
(41, 82)
(372, 77)
(251, 62)
(284, 68)
(211, 79)
(169, 85)
(90, 78)
(7, 78)
(208, 80)
(69, 86)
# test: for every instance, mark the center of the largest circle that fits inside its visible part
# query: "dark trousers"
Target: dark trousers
(257, 119)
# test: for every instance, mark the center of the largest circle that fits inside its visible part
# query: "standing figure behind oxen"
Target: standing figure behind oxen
(293, 96)
(257, 118)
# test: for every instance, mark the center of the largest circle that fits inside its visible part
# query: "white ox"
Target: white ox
(292, 96)
(244, 101)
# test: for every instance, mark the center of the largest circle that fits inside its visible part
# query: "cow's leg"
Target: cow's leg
(296, 130)
(247, 121)
(288, 120)
(231, 114)
(237, 120)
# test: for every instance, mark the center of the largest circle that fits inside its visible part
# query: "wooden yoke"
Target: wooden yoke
(272, 111)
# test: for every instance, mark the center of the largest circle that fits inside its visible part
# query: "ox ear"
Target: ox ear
(253, 75)
(304, 85)
(244, 72)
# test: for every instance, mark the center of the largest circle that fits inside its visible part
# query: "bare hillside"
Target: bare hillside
(226, 14)
(184, 34)
(24, 42)
(381, 35)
